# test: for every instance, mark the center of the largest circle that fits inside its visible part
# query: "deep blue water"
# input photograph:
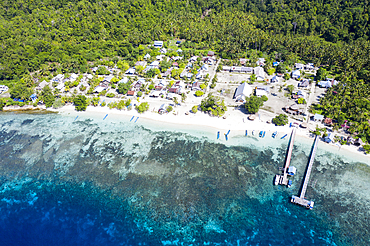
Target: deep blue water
(94, 183)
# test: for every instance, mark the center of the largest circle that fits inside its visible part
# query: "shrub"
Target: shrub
(139, 93)
(280, 120)
(194, 109)
(110, 94)
(199, 93)
(169, 108)
(142, 107)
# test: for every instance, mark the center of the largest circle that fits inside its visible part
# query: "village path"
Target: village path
(309, 102)
(213, 72)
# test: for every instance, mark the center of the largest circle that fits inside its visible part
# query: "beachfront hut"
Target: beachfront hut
(304, 125)
(226, 68)
(147, 56)
(329, 138)
(275, 63)
(260, 93)
(304, 83)
(130, 93)
(358, 142)
(252, 117)
(33, 97)
(244, 90)
(162, 109)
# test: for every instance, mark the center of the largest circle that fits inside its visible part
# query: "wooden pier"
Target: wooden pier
(301, 199)
(283, 179)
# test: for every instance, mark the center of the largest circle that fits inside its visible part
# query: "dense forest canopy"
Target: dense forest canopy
(71, 33)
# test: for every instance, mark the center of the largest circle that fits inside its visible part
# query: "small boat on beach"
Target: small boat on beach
(105, 116)
(261, 133)
(253, 132)
(226, 137)
(218, 135)
(246, 132)
(276, 180)
(132, 118)
(284, 136)
(274, 134)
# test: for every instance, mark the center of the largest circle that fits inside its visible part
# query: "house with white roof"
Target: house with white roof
(147, 56)
(131, 70)
(3, 88)
(260, 73)
(296, 74)
(244, 90)
(123, 80)
(158, 44)
(42, 85)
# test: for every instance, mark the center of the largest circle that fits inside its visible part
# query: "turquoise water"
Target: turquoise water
(115, 182)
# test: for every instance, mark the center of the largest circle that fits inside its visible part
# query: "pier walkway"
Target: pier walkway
(301, 199)
(283, 179)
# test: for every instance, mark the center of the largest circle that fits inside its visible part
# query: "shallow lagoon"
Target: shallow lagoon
(113, 182)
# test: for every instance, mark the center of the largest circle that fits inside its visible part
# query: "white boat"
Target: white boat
(276, 181)
(253, 132)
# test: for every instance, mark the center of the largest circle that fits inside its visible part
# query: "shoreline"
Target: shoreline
(235, 122)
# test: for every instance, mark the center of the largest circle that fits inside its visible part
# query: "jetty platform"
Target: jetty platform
(301, 200)
(283, 178)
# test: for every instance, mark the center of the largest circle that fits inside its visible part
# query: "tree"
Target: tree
(2, 104)
(203, 86)
(102, 71)
(194, 109)
(280, 120)
(123, 88)
(95, 101)
(321, 74)
(169, 108)
(213, 105)
(139, 69)
(80, 103)
(366, 148)
(142, 107)
(301, 101)
(199, 93)
(253, 104)
(290, 88)
(253, 78)
(183, 97)
(264, 98)
(21, 91)
(286, 76)
(281, 68)
(175, 100)
(139, 94)
(271, 71)
(47, 96)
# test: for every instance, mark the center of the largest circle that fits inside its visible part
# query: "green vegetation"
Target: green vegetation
(280, 120)
(123, 88)
(47, 96)
(2, 104)
(199, 93)
(301, 101)
(290, 88)
(213, 105)
(169, 108)
(194, 109)
(253, 104)
(139, 94)
(80, 103)
(142, 107)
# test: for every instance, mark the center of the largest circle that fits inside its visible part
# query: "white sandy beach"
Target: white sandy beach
(235, 121)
